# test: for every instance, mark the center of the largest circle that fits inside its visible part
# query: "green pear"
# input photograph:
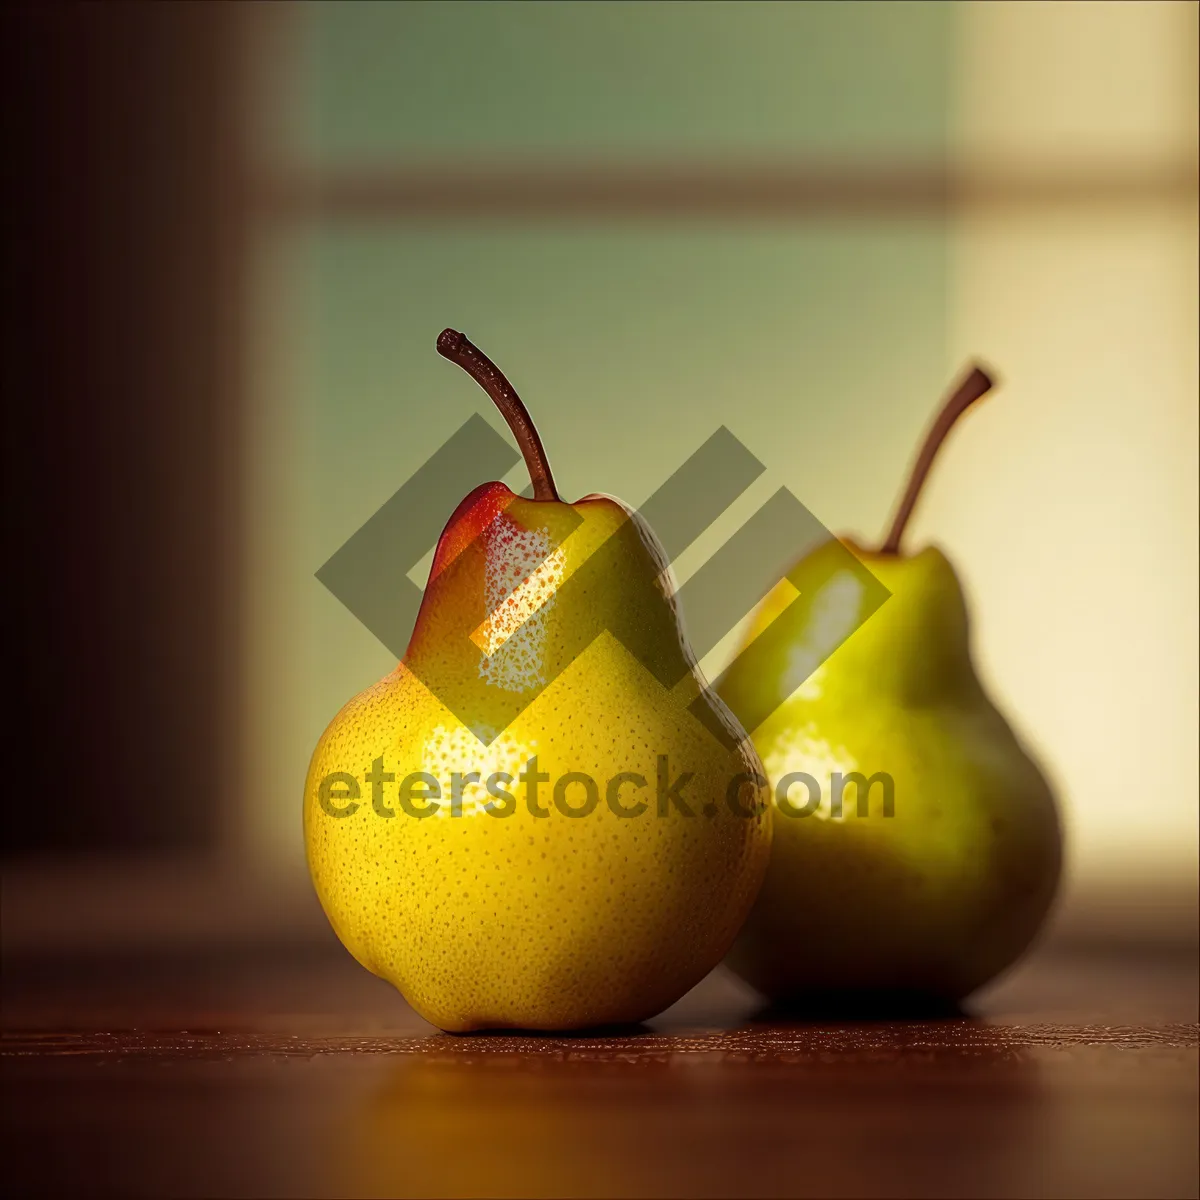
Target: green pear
(917, 845)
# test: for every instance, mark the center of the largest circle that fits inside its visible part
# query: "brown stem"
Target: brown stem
(976, 383)
(458, 349)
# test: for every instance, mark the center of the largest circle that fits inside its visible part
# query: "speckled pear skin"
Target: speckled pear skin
(551, 922)
(943, 895)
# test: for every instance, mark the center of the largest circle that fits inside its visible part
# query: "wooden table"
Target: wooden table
(299, 1074)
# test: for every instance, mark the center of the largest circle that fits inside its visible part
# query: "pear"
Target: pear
(530, 823)
(917, 845)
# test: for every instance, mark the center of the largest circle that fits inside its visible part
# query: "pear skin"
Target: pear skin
(935, 886)
(548, 837)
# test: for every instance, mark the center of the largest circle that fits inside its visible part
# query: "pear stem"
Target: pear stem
(458, 349)
(975, 383)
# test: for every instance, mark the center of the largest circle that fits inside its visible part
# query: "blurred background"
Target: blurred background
(237, 230)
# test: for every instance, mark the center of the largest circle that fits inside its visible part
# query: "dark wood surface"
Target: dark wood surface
(302, 1075)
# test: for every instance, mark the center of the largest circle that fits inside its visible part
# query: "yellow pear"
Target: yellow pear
(541, 818)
